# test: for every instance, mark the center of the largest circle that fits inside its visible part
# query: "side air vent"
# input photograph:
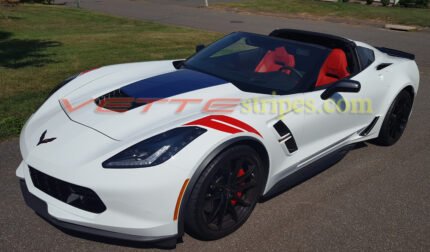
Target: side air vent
(286, 137)
(369, 128)
(291, 145)
(382, 66)
(281, 128)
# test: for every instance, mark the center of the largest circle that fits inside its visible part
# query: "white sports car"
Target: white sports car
(146, 151)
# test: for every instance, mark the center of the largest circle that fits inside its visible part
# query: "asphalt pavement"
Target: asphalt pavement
(375, 199)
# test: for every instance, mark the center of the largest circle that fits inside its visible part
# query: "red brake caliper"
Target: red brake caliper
(239, 174)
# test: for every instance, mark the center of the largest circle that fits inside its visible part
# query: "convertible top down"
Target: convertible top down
(147, 151)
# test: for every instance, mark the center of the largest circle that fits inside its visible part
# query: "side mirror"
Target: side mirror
(200, 47)
(178, 63)
(342, 86)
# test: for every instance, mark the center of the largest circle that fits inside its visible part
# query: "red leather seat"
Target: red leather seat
(275, 60)
(334, 68)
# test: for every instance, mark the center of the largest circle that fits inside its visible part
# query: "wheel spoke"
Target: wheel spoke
(231, 175)
(240, 201)
(213, 195)
(230, 193)
(246, 186)
(233, 212)
(215, 212)
(236, 166)
(222, 212)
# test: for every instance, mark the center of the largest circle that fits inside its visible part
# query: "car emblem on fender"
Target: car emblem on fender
(44, 140)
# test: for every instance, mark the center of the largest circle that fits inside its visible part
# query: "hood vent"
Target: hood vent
(117, 101)
(158, 87)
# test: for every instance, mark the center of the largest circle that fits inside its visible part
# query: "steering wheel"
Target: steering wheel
(285, 67)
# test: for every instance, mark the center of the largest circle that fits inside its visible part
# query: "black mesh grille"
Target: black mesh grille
(74, 195)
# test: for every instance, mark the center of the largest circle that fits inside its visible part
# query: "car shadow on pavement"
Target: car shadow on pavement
(167, 245)
(310, 171)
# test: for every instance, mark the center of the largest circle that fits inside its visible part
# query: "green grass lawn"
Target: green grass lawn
(317, 8)
(41, 45)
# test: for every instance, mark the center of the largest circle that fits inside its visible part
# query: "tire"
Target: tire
(225, 194)
(395, 120)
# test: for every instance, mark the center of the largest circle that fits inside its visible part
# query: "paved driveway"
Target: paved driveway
(374, 199)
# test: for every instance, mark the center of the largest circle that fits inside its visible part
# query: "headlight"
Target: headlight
(155, 150)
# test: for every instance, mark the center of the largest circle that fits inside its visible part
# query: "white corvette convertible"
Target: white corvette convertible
(147, 151)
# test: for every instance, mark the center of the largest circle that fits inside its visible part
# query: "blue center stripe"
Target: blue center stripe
(171, 84)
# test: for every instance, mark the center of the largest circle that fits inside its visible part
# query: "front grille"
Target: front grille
(74, 195)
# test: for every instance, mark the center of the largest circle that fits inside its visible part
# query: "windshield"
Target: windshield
(261, 64)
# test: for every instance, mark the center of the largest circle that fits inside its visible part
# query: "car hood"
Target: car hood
(178, 96)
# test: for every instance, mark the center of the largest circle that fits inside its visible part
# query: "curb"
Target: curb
(397, 27)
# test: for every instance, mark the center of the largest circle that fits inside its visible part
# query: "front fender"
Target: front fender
(203, 163)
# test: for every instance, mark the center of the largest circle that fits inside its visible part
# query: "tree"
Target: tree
(385, 2)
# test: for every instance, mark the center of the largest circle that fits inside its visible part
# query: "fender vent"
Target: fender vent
(287, 137)
(281, 128)
(291, 145)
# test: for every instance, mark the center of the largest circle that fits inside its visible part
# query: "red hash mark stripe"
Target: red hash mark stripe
(225, 124)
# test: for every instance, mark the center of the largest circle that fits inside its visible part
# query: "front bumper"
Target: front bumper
(41, 208)
(134, 212)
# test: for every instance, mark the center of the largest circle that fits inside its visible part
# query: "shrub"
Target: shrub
(369, 2)
(422, 3)
(385, 2)
(414, 3)
(39, 1)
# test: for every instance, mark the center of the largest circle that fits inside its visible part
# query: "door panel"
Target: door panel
(334, 120)
(293, 121)
(330, 121)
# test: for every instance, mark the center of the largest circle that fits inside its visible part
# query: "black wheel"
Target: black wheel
(396, 120)
(225, 194)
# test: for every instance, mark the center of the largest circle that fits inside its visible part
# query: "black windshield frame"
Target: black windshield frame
(316, 56)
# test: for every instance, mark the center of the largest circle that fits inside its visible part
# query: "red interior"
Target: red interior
(334, 68)
(274, 60)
